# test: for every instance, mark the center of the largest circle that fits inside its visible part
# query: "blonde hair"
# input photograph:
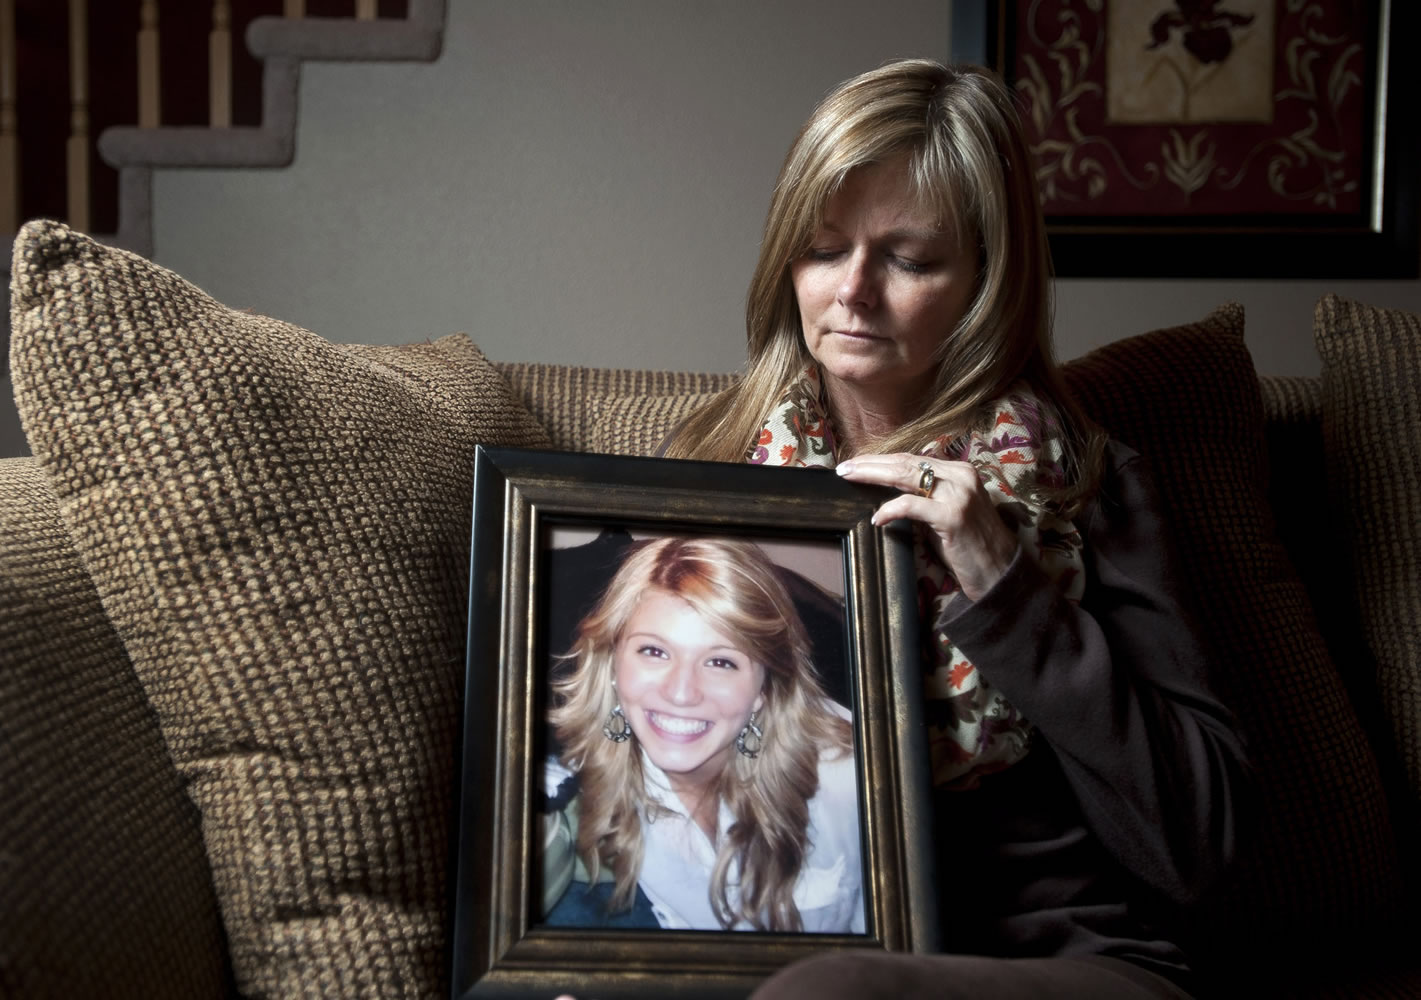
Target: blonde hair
(970, 164)
(735, 588)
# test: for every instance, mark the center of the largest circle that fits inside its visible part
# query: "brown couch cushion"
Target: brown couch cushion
(1322, 859)
(104, 886)
(1371, 427)
(631, 425)
(610, 410)
(278, 527)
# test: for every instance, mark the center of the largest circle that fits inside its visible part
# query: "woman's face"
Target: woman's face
(883, 283)
(686, 689)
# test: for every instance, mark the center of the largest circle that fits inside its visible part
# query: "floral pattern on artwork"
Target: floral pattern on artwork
(1195, 107)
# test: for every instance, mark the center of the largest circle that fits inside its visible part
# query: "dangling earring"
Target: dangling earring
(617, 729)
(751, 739)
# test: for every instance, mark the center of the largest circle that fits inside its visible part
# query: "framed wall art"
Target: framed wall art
(1228, 138)
(675, 670)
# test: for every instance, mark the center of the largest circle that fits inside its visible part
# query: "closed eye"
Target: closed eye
(908, 264)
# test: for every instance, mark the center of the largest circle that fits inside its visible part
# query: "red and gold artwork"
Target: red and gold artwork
(1197, 108)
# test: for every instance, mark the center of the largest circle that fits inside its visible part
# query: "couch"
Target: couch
(233, 582)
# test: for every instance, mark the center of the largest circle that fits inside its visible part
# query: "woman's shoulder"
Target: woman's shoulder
(1126, 481)
(1119, 455)
(838, 768)
(834, 810)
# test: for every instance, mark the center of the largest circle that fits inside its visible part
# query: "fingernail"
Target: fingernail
(844, 468)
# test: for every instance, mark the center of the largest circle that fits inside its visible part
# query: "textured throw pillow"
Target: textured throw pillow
(1320, 856)
(278, 527)
(1371, 428)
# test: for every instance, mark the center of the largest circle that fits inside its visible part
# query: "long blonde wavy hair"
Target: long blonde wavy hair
(970, 164)
(733, 586)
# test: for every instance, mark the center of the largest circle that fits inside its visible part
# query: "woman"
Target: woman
(714, 777)
(899, 331)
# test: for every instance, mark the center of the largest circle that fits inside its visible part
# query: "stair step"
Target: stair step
(281, 44)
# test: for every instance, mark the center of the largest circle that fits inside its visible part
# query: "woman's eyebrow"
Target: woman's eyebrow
(914, 233)
(642, 633)
(719, 647)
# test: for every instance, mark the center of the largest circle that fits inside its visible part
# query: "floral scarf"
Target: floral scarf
(972, 729)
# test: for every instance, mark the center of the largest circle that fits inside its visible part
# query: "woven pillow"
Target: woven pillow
(278, 527)
(1320, 857)
(1371, 428)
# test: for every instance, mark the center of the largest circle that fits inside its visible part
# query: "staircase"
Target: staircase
(280, 44)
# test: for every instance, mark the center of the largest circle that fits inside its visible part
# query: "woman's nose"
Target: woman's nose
(681, 686)
(858, 285)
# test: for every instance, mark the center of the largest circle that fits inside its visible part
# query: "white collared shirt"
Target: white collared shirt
(678, 859)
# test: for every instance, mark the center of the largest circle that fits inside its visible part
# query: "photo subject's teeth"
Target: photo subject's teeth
(680, 727)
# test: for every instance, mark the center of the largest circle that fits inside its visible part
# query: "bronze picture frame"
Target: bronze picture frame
(498, 947)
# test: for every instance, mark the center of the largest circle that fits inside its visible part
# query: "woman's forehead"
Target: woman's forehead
(891, 191)
(656, 607)
(671, 616)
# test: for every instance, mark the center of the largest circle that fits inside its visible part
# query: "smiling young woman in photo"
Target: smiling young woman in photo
(703, 773)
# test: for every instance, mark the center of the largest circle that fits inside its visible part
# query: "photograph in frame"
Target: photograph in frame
(680, 693)
(743, 595)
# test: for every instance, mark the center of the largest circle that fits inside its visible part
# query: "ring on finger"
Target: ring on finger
(927, 480)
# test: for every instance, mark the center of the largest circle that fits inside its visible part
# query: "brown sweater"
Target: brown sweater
(1127, 806)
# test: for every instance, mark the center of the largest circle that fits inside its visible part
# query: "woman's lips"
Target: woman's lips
(675, 727)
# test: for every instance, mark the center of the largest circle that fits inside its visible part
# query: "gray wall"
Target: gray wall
(578, 182)
(585, 182)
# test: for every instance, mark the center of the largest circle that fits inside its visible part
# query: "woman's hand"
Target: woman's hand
(965, 529)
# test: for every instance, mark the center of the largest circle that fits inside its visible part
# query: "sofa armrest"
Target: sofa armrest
(104, 886)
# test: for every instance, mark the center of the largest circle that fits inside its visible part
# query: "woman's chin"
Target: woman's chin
(872, 375)
(684, 763)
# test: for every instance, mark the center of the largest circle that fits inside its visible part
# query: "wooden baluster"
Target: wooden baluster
(295, 8)
(78, 145)
(365, 10)
(219, 66)
(150, 113)
(9, 122)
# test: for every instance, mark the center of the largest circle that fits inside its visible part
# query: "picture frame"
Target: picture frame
(500, 946)
(1316, 177)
